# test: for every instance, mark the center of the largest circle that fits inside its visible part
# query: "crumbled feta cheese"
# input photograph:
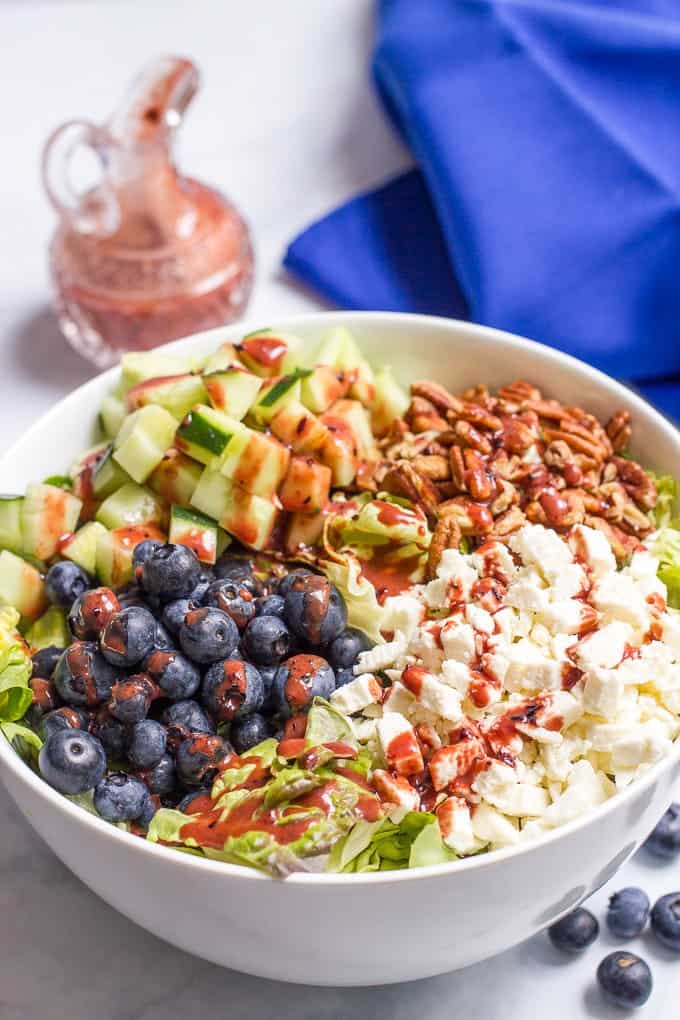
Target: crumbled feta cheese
(563, 617)
(602, 692)
(455, 825)
(479, 618)
(396, 790)
(458, 641)
(357, 694)
(456, 567)
(490, 826)
(671, 631)
(592, 546)
(617, 597)
(542, 549)
(402, 615)
(498, 786)
(399, 745)
(398, 699)
(585, 789)
(604, 647)
(380, 656)
(569, 582)
(527, 595)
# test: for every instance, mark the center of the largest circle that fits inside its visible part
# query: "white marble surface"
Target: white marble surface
(287, 125)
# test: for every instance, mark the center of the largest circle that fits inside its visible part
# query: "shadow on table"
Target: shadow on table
(43, 354)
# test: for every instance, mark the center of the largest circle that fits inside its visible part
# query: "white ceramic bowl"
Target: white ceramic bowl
(355, 930)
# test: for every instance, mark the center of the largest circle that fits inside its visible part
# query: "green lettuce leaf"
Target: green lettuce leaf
(387, 845)
(429, 848)
(665, 512)
(25, 742)
(15, 670)
(49, 629)
(165, 826)
(326, 725)
(667, 549)
(363, 609)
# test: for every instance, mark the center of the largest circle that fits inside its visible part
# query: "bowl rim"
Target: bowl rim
(24, 774)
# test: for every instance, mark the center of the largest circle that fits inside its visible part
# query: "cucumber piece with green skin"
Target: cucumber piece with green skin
(140, 365)
(232, 391)
(11, 533)
(49, 629)
(175, 478)
(47, 513)
(330, 350)
(354, 363)
(276, 393)
(21, 586)
(257, 462)
(223, 541)
(205, 434)
(225, 357)
(176, 393)
(212, 493)
(358, 419)
(194, 530)
(323, 387)
(112, 414)
(81, 546)
(115, 549)
(130, 506)
(107, 475)
(144, 437)
(298, 428)
(249, 518)
(269, 352)
(340, 451)
(306, 487)
(389, 403)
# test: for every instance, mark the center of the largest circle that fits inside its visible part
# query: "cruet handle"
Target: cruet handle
(95, 210)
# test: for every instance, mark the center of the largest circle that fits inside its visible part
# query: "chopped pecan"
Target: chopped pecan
(403, 480)
(478, 416)
(520, 391)
(512, 520)
(517, 436)
(623, 545)
(507, 496)
(436, 394)
(637, 483)
(550, 409)
(473, 518)
(576, 441)
(619, 430)
(480, 479)
(434, 467)
(457, 463)
(635, 520)
(468, 435)
(447, 535)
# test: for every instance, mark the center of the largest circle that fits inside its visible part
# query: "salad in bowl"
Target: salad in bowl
(292, 614)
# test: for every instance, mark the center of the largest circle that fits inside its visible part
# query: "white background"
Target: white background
(287, 125)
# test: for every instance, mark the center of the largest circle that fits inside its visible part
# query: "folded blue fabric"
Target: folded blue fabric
(546, 198)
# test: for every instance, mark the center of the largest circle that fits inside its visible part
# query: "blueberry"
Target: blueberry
(575, 932)
(131, 698)
(233, 599)
(63, 719)
(83, 676)
(91, 612)
(141, 552)
(174, 613)
(72, 761)
(161, 777)
(270, 605)
(120, 797)
(665, 919)
(235, 569)
(207, 635)
(199, 757)
(183, 718)
(170, 572)
(112, 734)
(249, 731)
(627, 912)
(664, 840)
(177, 677)
(146, 744)
(131, 595)
(162, 640)
(343, 676)
(287, 582)
(65, 582)
(45, 697)
(298, 681)
(189, 799)
(148, 811)
(232, 688)
(267, 640)
(205, 579)
(128, 637)
(625, 979)
(315, 610)
(267, 673)
(344, 649)
(45, 660)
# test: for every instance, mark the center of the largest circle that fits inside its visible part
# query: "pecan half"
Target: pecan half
(436, 394)
(434, 467)
(447, 535)
(619, 430)
(636, 482)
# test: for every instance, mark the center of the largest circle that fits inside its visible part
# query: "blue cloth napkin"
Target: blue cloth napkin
(546, 198)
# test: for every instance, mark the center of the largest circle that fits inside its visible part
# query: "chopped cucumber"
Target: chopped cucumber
(143, 439)
(357, 418)
(21, 586)
(223, 541)
(249, 518)
(390, 401)
(115, 549)
(226, 356)
(205, 434)
(275, 394)
(176, 393)
(232, 391)
(212, 493)
(130, 506)
(90, 456)
(302, 532)
(323, 387)
(48, 513)
(256, 461)
(107, 475)
(175, 478)
(195, 531)
(298, 428)
(11, 536)
(340, 450)
(354, 363)
(268, 352)
(111, 415)
(138, 366)
(49, 629)
(81, 547)
(306, 487)
(330, 350)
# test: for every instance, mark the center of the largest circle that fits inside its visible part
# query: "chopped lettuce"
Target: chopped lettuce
(25, 742)
(326, 725)
(387, 845)
(15, 669)
(665, 512)
(667, 549)
(363, 609)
